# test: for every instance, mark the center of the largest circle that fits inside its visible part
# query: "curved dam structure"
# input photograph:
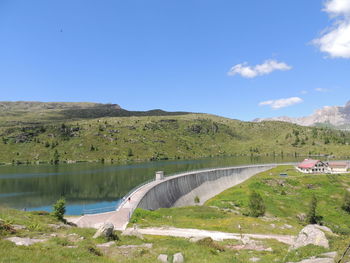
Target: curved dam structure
(176, 190)
(182, 189)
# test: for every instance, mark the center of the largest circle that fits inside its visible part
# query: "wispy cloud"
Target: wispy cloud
(281, 103)
(335, 40)
(322, 90)
(304, 92)
(267, 67)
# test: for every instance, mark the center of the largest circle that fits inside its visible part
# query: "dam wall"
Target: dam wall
(182, 189)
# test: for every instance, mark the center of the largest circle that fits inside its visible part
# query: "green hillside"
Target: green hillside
(91, 132)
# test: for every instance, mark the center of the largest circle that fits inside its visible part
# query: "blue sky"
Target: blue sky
(179, 54)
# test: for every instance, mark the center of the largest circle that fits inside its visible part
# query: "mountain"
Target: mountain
(332, 116)
(33, 112)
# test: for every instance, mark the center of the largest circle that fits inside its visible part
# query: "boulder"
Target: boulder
(315, 260)
(163, 258)
(24, 241)
(106, 230)
(311, 235)
(178, 258)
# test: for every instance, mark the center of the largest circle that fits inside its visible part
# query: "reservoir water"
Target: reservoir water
(87, 186)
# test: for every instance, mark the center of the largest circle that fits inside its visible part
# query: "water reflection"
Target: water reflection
(93, 185)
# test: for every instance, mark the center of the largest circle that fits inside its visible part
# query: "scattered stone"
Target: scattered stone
(71, 246)
(18, 227)
(196, 239)
(163, 258)
(108, 244)
(19, 241)
(311, 234)
(132, 232)
(178, 258)
(254, 259)
(273, 225)
(301, 217)
(287, 226)
(315, 260)
(147, 245)
(329, 255)
(53, 235)
(58, 226)
(106, 230)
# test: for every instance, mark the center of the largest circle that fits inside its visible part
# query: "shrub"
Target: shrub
(196, 200)
(59, 208)
(346, 203)
(256, 205)
(312, 217)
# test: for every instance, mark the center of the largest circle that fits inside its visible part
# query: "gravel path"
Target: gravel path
(215, 235)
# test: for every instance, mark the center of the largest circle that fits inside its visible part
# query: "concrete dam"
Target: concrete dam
(182, 189)
(176, 190)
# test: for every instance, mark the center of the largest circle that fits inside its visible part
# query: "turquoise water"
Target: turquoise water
(94, 185)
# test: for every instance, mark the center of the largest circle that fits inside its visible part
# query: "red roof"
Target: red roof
(308, 163)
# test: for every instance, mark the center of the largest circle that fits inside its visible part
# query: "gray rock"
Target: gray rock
(311, 235)
(163, 258)
(24, 241)
(132, 232)
(196, 239)
(18, 227)
(178, 258)
(329, 255)
(106, 230)
(147, 245)
(315, 260)
(254, 259)
(108, 244)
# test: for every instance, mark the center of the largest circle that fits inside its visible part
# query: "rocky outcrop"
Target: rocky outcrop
(24, 241)
(334, 115)
(106, 230)
(311, 235)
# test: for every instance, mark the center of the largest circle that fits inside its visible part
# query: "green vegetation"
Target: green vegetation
(346, 202)
(256, 205)
(59, 209)
(312, 217)
(59, 132)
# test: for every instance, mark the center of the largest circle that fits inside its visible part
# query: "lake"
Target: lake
(89, 186)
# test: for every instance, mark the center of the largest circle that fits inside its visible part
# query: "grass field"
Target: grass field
(224, 212)
(144, 138)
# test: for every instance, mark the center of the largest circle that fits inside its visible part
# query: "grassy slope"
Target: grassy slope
(225, 211)
(161, 137)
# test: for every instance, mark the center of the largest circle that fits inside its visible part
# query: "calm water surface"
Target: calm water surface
(91, 185)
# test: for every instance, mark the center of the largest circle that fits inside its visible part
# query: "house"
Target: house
(338, 167)
(311, 166)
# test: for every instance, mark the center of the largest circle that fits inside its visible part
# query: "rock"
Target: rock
(254, 259)
(19, 241)
(163, 258)
(315, 260)
(324, 229)
(132, 232)
(329, 255)
(108, 244)
(273, 225)
(106, 230)
(18, 227)
(301, 217)
(178, 258)
(147, 245)
(196, 239)
(287, 226)
(311, 234)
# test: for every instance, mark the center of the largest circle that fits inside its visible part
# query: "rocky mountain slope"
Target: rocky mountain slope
(336, 116)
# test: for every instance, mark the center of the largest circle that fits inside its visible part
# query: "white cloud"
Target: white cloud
(321, 90)
(304, 92)
(336, 40)
(281, 103)
(267, 67)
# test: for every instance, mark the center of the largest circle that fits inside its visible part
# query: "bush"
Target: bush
(59, 208)
(256, 205)
(346, 203)
(196, 200)
(312, 217)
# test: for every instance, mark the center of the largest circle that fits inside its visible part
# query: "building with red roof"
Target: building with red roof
(311, 166)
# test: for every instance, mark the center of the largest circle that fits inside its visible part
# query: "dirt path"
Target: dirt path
(215, 235)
